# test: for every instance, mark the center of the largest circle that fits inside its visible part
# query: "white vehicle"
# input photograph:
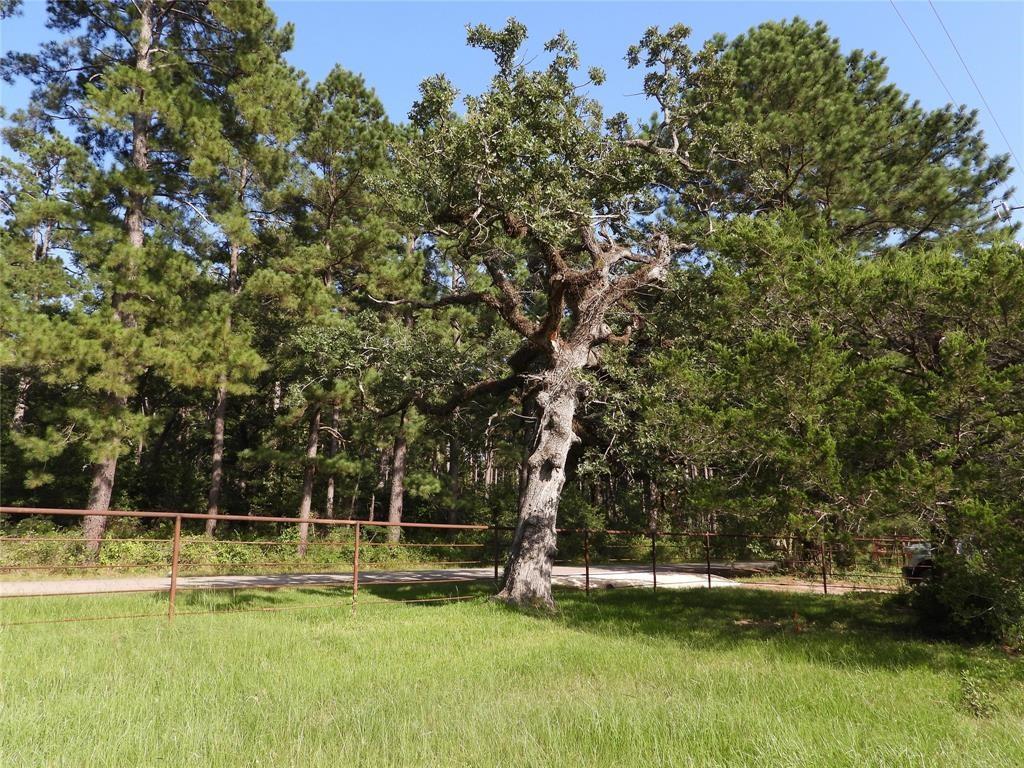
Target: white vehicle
(919, 559)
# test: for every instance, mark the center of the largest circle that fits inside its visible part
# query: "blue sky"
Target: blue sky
(396, 44)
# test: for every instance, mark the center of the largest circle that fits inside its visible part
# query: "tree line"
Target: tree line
(781, 304)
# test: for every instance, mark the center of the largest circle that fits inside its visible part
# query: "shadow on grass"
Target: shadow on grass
(436, 594)
(247, 597)
(250, 598)
(857, 629)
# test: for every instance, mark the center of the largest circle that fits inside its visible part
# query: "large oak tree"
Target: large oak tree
(552, 216)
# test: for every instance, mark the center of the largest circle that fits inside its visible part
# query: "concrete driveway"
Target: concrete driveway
(601, 577)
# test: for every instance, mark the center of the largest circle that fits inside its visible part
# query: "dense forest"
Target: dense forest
(783, 304)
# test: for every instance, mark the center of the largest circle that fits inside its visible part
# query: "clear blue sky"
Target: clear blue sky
(395, 45)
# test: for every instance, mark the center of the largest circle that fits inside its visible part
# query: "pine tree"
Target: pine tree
(317, 271)
(259, 97)
(39, 184)
(129, 78)
(830, 137)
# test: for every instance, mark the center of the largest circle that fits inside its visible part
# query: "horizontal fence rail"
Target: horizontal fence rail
(349, 556)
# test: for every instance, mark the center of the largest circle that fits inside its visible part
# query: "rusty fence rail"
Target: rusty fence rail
(587, 557)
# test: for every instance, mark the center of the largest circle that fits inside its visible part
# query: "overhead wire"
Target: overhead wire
(923, 53)
(977, 87)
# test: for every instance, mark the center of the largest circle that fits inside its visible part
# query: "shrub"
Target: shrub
(34, 525)
(977, 586)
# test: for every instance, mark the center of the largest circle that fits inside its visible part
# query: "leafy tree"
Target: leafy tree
(858, 168)
(551, 219)
(781, 306)
(39, 182)
(104, 81)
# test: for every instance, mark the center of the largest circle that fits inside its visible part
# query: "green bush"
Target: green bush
(977, 586)
(141, 553)
(34, 525)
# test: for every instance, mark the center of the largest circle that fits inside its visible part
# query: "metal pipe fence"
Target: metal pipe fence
(350, 555)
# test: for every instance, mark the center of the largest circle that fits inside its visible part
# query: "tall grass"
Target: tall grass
(36, 548)
(624, 678)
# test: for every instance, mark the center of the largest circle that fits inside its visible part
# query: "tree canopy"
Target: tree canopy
(782, 305)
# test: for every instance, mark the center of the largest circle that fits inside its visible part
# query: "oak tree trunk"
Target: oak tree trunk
(527, 579)
(308, 476)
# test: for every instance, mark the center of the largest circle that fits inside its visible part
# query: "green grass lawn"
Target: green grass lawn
(727, 677)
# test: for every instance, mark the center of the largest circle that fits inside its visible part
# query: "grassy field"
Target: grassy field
(729, 677)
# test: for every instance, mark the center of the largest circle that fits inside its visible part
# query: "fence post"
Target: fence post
(586, 559)
(824, 569)
(654, 558)
(355, 569)
(707, 555)
(175, 552)
(497, 545)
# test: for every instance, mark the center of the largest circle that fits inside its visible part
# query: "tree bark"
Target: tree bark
(20, 404)
(489, 468)
(527, 579)
(329, 503)
(329, 499)
(100, 491)
(217, 472)
(135, 215)
(309, 475)
(397, 482)
(354, 498)
(454, 479)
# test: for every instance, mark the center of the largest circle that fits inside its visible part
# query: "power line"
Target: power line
(921, 49)
(984, 101)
